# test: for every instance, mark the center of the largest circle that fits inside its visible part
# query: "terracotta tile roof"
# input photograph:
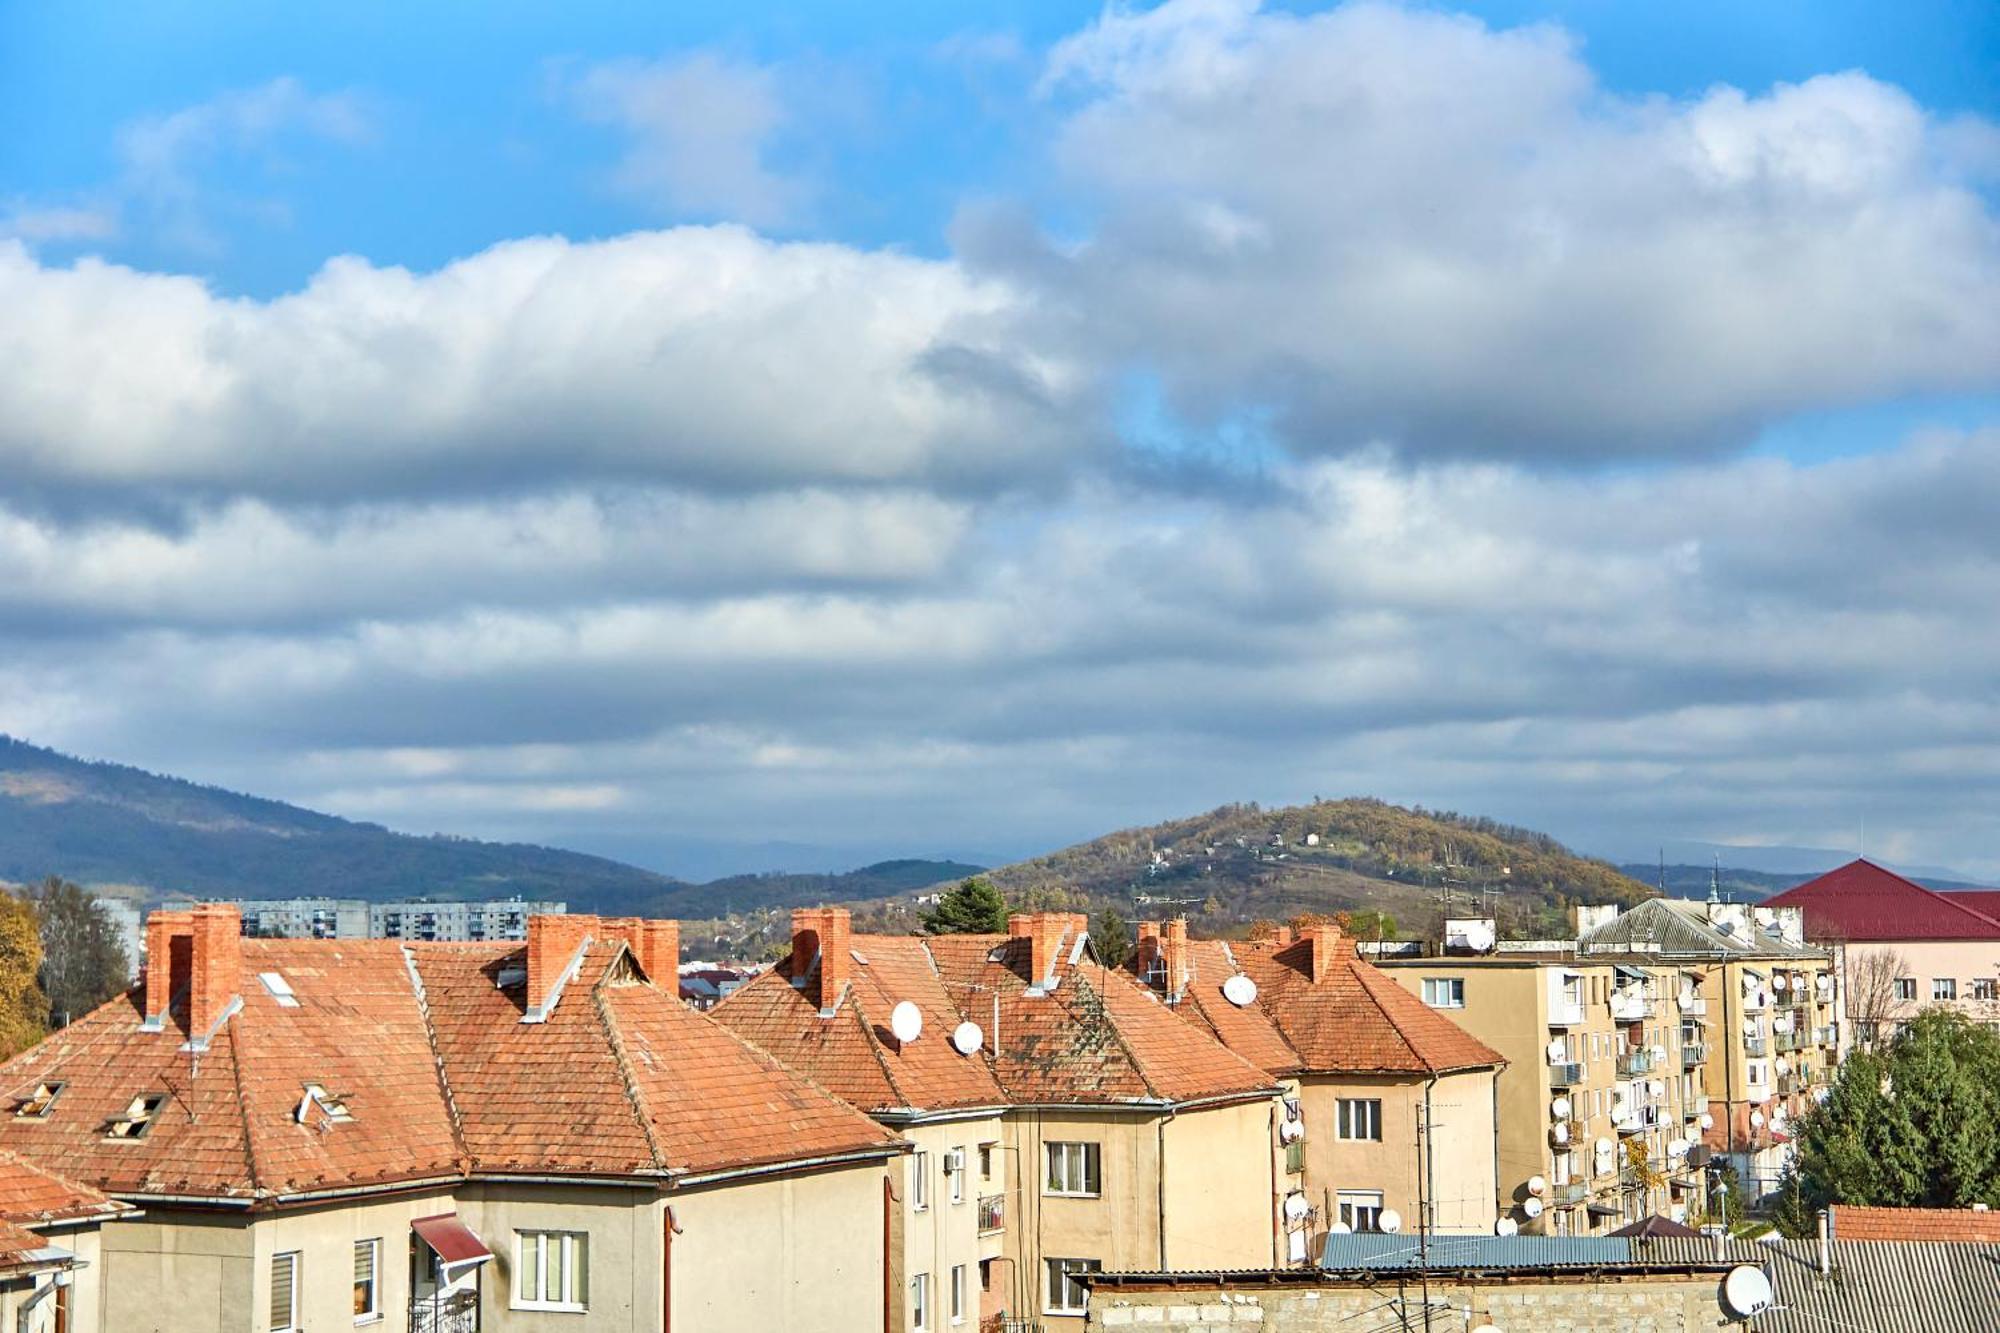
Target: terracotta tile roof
(437, 1074)
(1914, 1224)
(1354, 1019)
(1098, 1036)
(854, 1053)
(32, 1196)
(1861, 901)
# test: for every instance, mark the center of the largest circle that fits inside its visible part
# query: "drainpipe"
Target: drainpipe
(1162, 1176)
(1825, 1247)
(667, 1234)
(888, 1272)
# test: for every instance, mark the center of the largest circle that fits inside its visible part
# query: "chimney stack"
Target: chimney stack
(553, 939)
(1044, 932)
(1178, 957)
(215, 968)
(658, 949)
(1148, 950)
(825, 933)
(1325, 939)
(169, 962)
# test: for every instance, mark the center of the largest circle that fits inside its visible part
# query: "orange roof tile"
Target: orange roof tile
(1849, 1222)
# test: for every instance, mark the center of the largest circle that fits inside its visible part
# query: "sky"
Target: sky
(730, 436)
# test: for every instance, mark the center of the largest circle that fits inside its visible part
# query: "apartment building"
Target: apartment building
(1773, 1014)
(1902, 947)
(1098, 1131)
(414, 919)
(1390, 1107)
(51, 1277)
(449, 1138)
(1603, 1096)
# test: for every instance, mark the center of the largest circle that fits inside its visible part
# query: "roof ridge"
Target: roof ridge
(851, 1000)
(453, 1116)
(616, 1040)
(1104, 1009)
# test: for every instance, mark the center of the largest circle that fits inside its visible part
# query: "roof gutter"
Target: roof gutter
(794, 1164)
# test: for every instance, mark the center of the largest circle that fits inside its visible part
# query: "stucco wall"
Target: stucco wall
(1219, 1187)
(190, 1274)
(945, 1234)
(1678, 1305)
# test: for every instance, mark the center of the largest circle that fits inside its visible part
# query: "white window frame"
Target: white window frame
(1943, 989)
(372, 1247)
(1444, 992)
(1358, 1113)
(289, 1260)
(1905, 988)
(1985, 989)
(1351, 1205)
(1074, 1169)
(920, 1181)
(958, 1175)
(574, 1246)
(1055, 1284)
(958, 1293)
(920, 1302)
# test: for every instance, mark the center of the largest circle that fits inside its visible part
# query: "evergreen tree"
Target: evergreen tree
(973, 908)
(1111, 938)
(83, 960)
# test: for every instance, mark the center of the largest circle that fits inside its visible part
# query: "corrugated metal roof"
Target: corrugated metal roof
(1674, 928)
(1367, 1252)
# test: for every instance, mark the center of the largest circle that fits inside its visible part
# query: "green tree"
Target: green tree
(1111, 938)
(83, 959)
(1915, 1123)
(973, 908)
(24, 1010)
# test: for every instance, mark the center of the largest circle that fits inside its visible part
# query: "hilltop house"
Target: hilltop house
(448, 1138)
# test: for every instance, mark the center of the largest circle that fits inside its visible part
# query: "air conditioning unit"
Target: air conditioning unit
(954, 1161)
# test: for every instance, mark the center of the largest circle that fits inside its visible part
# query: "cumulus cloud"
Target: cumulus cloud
(704, 355)
(1387, 223)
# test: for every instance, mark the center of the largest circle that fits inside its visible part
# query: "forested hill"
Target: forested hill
(1241, 862)
(110, 824)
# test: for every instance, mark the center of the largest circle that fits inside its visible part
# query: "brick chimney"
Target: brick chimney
(1326, 943)
(658, 949)
(825, 934)
(1147, 950)
(1178, 957)
(1044, 932)
(553, 939)
(169, 962)
(215, 968)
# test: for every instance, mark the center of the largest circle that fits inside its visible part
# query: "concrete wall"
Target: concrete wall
(181, 1274)
(1650, 1305)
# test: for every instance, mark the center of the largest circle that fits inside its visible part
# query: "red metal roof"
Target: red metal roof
(1863, 902)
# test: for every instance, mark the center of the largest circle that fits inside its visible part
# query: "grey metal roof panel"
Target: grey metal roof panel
(1671, 928)
(1368, 1251)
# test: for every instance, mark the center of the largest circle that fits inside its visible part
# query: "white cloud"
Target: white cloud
(701, 129)
(1388, 223)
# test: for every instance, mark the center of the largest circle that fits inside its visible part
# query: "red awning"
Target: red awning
(452, 1239)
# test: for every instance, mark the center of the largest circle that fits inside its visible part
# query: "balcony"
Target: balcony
(993, 1207)
(1295, 1156)
(1565, 1075)
(1826, 1036)
(1696, 1007)
(1629, 1007)
(1563, 1014)
(1635, 1062)
(457, 1312)
(1788, 1041)
(1693, 1055)
(1575, 1191)
(1754, 1046)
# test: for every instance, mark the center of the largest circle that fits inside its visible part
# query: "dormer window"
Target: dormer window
(40, 1102)
(279, 989)
(332, 1105)
(137, 1122)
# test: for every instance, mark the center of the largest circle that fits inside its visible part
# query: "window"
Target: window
(333, 1105)
(138, 1118)
(551, 1270)
(986, 1160)
(1444, 992)
(958, 1293)
(1073, 1169)
(920, 1180)
(1985, 988)
(1065, 1294)
(920, 1301)
(285, 1292)
(954, 1166)
(1906, 988)
(367, 1294)
(279, 989)
(1361, 1210)
(1756, 1074)
(1944, 988)
(1360, 1118)
(40, 1102)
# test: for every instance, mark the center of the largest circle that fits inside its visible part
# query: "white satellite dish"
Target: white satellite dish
(1239, 990)
(1532, 1207)
(1560, 1133)
(1388, 1221)
(1559, 1108)
(1656, 1088)
(1746, 1292)
(1290, 1131)
(1556, 1050)
(1296, 1206)
(1603, 1147)
(1479, 936)
(1687, 1003)
(1677, 1147)
(1757, 1119)
(1778, 982)
(1749, 1027)
(1707, 1121)
(966, 1038)
(1340, 1229)
(1506, 1226)
(1824, 983)
(1784, 1065)
(1537, 1185)
(906, 1021)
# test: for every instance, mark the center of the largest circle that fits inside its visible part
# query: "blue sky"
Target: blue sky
(932, 394)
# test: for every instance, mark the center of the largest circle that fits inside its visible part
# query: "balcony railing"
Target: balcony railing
(1693, 1055)
(1629, 1008)
(1575, 1191)
(1788, 1041)
(454, 1313)
(1753, 1046)
(1635, 1062)
(1565, 1075)
(1295, 1156)
(1562, 1015)
(993, 1207)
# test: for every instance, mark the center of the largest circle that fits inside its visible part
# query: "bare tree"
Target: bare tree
(1872, 1002)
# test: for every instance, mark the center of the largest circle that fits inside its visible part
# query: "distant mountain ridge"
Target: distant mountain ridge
(102, 823)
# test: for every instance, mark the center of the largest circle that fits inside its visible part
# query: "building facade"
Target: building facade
(414, 919)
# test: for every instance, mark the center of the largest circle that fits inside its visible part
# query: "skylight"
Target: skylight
(40, 1102)
(280, 989)
(332, 1105)
(137, 1121)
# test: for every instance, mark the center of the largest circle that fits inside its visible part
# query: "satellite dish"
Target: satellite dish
(1296, 1207)
(1537, 1185)
(1677, 1147)
(1290, 1131)
(1532, 1207)
(1239, 990)
(1603, 1147)
(1557, 1049)
(1749, 1027)
(1757, 1119)
(966, 1038)
(1825, 982)
(1746, 1292)
(906, 1021)
(1778, 982)
(1388, 1221)
(1559, 1108)
(1657, 1088)
(1784, 1065)
(1506, 1226)
(1707, 1121)
(1479, 936)
(1340, 1229)
(1687, 1003)
(1560, 1133)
